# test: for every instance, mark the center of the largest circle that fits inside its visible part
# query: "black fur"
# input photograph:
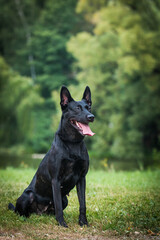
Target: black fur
(63, 167)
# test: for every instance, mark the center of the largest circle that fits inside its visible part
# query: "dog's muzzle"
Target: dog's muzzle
(90, 117)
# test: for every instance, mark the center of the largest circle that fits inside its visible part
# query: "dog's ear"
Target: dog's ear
(87, 96)
(65, 97)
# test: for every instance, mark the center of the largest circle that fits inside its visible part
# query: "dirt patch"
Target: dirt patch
(8, 236)
(57, 233)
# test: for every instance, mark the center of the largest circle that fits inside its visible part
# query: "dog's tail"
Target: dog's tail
(11, 207)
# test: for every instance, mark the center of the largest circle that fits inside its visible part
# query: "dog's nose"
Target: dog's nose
(90, 117)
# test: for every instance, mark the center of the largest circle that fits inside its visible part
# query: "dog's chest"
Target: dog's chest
(71, 170)
(72, 167)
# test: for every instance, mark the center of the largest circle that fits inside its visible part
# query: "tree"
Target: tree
(120, 60)
(18, 98)
(33, 42)
(52, 62)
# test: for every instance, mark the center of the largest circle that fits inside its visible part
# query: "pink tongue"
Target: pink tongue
(86, 129)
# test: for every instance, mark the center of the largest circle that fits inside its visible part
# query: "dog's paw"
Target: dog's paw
(83, 221)
(63, 223)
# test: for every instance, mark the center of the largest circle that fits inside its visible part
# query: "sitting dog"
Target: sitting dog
(64, 166)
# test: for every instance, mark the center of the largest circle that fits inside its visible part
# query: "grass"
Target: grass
(118, 204)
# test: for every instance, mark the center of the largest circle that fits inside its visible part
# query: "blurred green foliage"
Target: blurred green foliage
(33, 42)
(120, 60)
(112, 46)
(18, 98)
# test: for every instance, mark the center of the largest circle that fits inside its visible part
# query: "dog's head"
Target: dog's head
(77, 114)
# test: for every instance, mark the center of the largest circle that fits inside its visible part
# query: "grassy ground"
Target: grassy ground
(119, 206)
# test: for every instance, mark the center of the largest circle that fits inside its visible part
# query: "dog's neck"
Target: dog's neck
(68, 134)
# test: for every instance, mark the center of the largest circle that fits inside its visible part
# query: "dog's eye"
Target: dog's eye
(79, 107)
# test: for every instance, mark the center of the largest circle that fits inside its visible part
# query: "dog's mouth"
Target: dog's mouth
(82, 128)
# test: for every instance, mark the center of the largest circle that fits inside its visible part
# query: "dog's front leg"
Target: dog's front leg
(81, 188)
(58, 202)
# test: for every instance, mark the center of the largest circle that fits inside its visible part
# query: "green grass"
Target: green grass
(117, 203)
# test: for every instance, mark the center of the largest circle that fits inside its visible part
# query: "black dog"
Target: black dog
(64, 166)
